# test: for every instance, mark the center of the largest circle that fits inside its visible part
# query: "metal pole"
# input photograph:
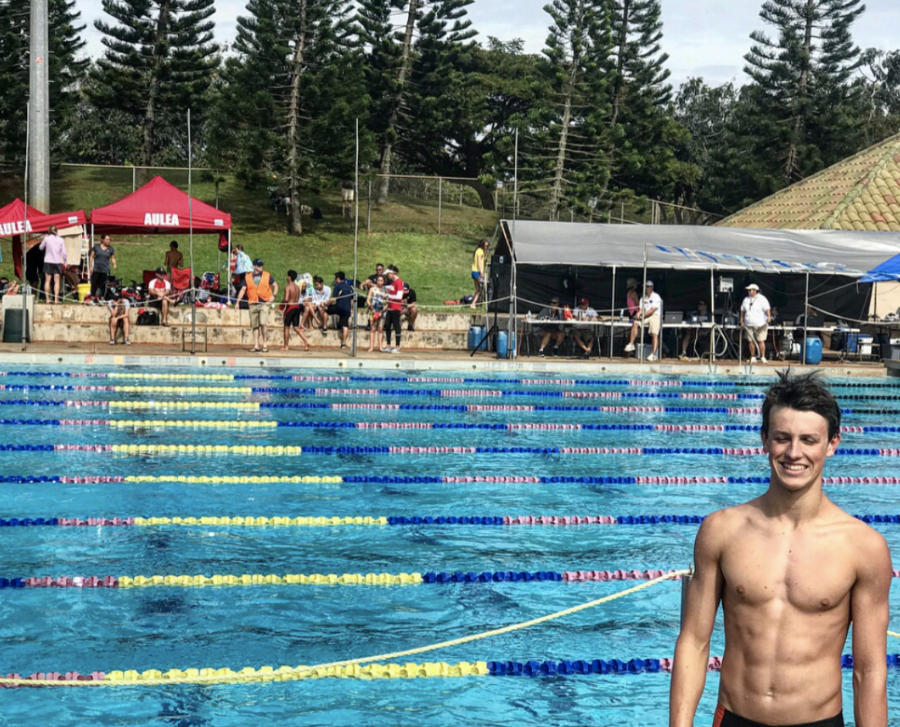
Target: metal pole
(805, 319)
(440, 203)
(516, 185)
(133, 179)
(712, 314)
(612, 311)
(24, 287)
(369, 210)
(641, 344)
(191, 239)
(39, 96)
(355, 300)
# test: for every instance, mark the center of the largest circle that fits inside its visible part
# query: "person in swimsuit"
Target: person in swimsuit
(791, 570)
(376, 302)
(292, 311)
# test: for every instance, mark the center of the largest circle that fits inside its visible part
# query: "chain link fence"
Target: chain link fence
(87, 186)
(536, 205)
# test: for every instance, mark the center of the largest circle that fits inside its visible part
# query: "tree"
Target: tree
(569, 153)
(803, 99)
(66, 71)
(880, 95)
(158, 63)
(291, 96)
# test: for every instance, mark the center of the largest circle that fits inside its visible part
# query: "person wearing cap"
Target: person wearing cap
(341, 305)
(119, 311)
(159, 290)
(756, 315)
(315, 305)
(260, 289)
(583, 335)
(54, 248)
(550, 329)
(650, 314)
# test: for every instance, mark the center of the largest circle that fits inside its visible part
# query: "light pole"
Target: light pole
(39, 97)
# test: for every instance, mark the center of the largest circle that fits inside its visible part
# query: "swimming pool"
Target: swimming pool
(484, 447)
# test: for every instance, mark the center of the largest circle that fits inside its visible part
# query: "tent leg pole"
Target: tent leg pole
(228, 267)
(712, 315)
(612, 310)
(805, 320)
(641, 343)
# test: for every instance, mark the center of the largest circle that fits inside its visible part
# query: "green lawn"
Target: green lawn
(404, 233)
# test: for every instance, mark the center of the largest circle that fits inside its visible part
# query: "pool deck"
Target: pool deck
(68, 354)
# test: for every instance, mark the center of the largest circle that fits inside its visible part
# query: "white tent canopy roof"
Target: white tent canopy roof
(824, 252)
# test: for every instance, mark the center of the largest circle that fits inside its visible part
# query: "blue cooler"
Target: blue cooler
(476, 335)
(812, 351)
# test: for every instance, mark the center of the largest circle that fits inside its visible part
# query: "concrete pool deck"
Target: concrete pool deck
(138, 355)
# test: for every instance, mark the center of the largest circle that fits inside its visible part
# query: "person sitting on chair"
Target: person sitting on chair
(159, 292)
(650, 315)
(584, 335)
(551, 330)
(691, 337)
(119, 310)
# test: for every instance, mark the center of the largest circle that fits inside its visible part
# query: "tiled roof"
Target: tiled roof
(859, 193)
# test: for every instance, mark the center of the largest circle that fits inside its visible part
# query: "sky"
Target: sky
(706, 38)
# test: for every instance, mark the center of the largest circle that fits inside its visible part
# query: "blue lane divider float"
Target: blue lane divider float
(761, 382)
(477, 520)
(662, 480)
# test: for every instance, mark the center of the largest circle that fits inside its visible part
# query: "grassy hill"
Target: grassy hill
(404, 232)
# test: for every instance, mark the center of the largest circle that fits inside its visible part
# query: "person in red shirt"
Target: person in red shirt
(395, 308)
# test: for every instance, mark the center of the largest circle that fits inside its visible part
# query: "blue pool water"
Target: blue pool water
(161, 628)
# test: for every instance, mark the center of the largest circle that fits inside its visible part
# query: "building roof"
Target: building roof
(859, 193)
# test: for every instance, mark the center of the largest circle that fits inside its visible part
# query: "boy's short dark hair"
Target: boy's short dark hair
(803, 392)
(292, 275)
(394, 269)
(319, 279)
(174, 244)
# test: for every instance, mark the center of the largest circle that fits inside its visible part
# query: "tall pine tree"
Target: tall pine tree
(292, 95)
(803, 99)
(158, 63)
(568, 157)
(67, 68)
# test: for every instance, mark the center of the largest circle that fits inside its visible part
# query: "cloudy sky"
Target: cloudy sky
(701, 38)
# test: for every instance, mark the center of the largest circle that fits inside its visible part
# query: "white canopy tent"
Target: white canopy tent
(688, 248)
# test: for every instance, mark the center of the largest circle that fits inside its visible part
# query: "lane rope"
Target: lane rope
(287, 673)
(423, 480)
(428, 379)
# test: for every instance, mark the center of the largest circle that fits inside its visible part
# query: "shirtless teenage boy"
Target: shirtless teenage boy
(792, 570)
(292, 311)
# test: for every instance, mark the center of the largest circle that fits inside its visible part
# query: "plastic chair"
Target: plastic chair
(202, 331)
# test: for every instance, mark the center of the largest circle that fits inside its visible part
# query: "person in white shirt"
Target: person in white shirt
(756, 314)
(651, 316)
(158, 294)
(584, 335)
(315, 306)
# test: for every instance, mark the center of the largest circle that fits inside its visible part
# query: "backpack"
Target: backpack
(148, 318)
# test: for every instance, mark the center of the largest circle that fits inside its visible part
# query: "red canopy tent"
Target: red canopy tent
(159, 208)
(17, 219)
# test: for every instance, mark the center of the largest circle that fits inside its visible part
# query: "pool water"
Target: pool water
(88, 630)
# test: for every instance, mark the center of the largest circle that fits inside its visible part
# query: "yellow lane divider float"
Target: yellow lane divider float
(336, 669)
(245, 405)
(262, 521)
(255, 451)
(315, 579)
(181, 389)
(225, 480)
(189, 424)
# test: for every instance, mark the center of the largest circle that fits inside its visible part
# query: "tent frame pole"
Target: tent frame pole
(191, 239)
(612, 315)
(355, 298)
(641, 342)
(712, 314)
(805, 321)
(25, 234)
